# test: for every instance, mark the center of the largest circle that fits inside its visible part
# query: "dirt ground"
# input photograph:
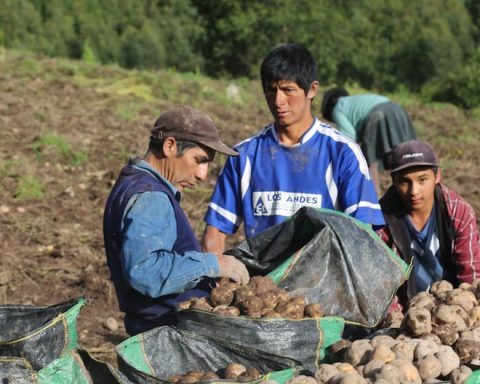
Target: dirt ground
(52, 245)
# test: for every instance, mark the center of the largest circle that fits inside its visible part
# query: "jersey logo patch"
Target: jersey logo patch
(272, 203)
(260, 209)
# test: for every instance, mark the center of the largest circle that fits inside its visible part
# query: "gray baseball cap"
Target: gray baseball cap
(412, 153)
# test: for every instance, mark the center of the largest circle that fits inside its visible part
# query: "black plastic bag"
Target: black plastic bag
(155, 355)
(39, 334)
(329, 258)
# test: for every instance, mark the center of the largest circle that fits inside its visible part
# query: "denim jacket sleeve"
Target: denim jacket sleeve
(148, 263)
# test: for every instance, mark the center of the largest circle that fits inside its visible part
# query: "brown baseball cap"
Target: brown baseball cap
(186, 123)
(412, 153)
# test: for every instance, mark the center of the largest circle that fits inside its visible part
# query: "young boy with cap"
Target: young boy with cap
(293, 162)
(427, 222)
(152, 251)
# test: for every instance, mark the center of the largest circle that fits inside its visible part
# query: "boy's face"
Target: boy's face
(416, 187)
(288, 102)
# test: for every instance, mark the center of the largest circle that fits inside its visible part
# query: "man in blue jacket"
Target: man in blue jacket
(152, 251)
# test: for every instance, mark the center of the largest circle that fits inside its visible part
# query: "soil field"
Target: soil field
(66, 130)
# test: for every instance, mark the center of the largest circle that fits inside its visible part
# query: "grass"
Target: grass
(54, 141)
(29, 188)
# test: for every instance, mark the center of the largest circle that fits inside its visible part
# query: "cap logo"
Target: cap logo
(410, 155)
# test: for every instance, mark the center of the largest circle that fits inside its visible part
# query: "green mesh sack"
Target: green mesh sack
(39, 334)
(330, 258)
(155, 355)
(474, 378)
(16, 370)
(79, 367)
(304, 340)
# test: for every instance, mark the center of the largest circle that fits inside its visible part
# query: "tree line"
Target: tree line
(429, 47)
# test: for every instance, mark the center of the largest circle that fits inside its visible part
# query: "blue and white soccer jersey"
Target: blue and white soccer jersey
(269, 181)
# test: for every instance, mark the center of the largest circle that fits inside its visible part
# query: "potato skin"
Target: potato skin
(226, 310)
(261, 284)
(252, 307)
(201, 304)
(313, 311)
(222, 295)
(233, 370)
(250, 374)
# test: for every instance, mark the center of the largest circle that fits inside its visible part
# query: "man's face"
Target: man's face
(416, 187)
(288, 102)
(189, 168)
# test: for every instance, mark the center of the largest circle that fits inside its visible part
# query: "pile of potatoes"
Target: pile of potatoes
(260, 298)
(438, 335)
(233, 372)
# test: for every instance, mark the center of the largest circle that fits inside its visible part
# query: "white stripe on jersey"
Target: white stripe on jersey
(227, 214)
(246, 177)
(337, 136)
(332, 187)
(361, 204)
(262, 132)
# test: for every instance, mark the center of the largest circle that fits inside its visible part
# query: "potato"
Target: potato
(346, 368)
(175, 378)
(429, 367)
(475, 313)
(404, 351)
(313, 311)
(448, 358)
(293, 309)
(383, 339)
(422, 300)
(192, 377)
(339, 345)
(359, 353)
(447, 333)
(372, 368)
(282, 294)
(242, 293)
(209, 376)
(467, 350)
(185, 304)
(261, 284)
(425, 348)
(222, 295)
(393, 320)
(409, 371)
(440, 288)
(450, 314)
(383, 353)
(418, 321)
(201, 304)
(270, 314)
(302, 379)
(270, 300)
(252, 307)
(465, 299)
(351, 378)
(390, 374)
(233, 370)
(325, 372)
(225, 310)
(250, 374)
(460, 375)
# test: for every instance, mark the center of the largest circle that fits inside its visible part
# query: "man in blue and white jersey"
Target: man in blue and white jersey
(294, 162)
